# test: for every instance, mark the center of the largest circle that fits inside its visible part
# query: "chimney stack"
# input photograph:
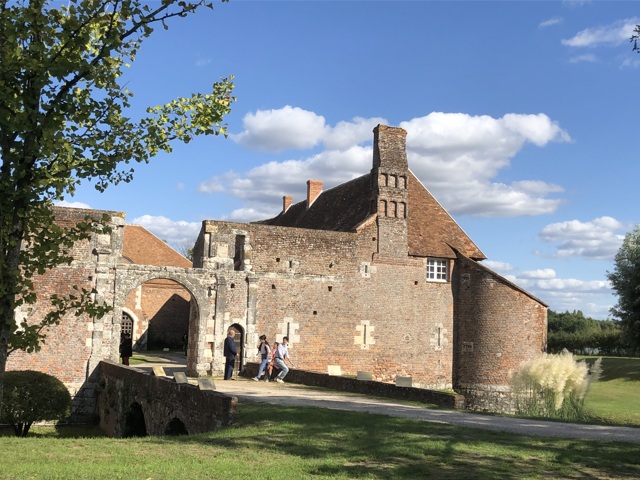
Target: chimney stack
(286, 203)
(314, 188)
(390, 148)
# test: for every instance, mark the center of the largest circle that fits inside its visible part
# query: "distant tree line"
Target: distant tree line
(586, 336)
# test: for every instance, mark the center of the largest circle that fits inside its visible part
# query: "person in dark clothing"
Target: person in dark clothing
(230, 353)
(126, 348)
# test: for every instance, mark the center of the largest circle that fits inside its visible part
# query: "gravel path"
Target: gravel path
(300, 395)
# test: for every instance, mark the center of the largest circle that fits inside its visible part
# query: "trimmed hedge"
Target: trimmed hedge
(31, 396)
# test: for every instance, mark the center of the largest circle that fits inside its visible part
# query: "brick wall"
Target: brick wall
(69, 350)
(337, 305)
(498, 328)
(166, 307)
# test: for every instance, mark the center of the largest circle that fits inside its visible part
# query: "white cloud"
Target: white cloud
(631, 62)
(457, 155)
(545, 273)
(264, 186)
(249, 214)
(202, 61)
(596, 239)
(499, 267)
(586, 58)
(575, 3)
(551, 22)
(171, 231)
(454, 154)
(346, 134)
(283, 129)
(593, 297)
(64, 203)
(292, 128)
(613, 34)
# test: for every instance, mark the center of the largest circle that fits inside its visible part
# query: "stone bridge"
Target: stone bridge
(133, 403)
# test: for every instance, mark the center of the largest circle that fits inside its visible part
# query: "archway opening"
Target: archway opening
(238, 339)
(176, 427)
(134, 424)
(163, 308)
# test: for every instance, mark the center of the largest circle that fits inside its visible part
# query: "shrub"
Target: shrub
(554, 386)
(31, 396)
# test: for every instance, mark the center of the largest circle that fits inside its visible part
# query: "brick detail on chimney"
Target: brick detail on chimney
(314, 188)
(390, 148)
(286, 203)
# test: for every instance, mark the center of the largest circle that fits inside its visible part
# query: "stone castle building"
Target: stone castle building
(372, 275)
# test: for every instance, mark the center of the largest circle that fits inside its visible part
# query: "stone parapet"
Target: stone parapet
(353, 385)
(131, 402)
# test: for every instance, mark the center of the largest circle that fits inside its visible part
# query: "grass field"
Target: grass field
(275, 442)
(271, 442)
(616, 397)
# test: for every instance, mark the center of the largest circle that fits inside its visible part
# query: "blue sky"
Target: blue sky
(521, 121)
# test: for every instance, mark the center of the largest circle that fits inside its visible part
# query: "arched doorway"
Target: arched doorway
(127, 324)
(163, 307)
(238, 339)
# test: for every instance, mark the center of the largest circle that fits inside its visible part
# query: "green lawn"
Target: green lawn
(616, 397)
(275, 442)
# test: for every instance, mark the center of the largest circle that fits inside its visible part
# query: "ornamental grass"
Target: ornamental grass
(554, 386)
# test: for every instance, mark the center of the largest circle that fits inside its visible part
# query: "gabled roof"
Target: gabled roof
(142, 247)
(339, 209)
(430, 229)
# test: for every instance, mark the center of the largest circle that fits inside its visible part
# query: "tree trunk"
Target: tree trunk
(4, 346)
(10, 271)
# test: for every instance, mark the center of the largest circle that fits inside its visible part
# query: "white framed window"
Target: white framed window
(437, 269)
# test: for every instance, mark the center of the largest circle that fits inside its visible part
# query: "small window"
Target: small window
(437, 269)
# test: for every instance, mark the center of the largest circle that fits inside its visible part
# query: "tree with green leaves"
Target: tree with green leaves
(625, 280)
(63, 120)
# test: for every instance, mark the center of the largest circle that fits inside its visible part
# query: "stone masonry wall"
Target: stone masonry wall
(161, 400)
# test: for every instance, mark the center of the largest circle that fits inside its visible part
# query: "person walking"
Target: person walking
(230, 353)
(282, 356)
(264, 349)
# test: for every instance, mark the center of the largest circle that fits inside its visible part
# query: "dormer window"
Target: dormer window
(437, 269)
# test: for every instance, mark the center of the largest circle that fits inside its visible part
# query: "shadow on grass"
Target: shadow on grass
(356, 445)
(618, 368)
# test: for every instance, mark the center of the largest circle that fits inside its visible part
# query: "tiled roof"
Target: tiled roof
(141, 247)
(339, 209)
(430, 229)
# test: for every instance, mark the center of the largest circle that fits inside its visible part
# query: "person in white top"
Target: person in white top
(282, 356)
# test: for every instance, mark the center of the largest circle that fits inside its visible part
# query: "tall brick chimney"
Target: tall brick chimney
(314, 188)
(389, 190)
(286, 203)
(390, 148)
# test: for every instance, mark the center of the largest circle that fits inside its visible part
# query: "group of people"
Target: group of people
(272, 358)
(275, 357)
